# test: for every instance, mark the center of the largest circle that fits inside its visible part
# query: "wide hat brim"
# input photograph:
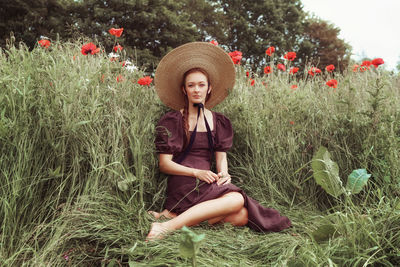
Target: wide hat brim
(213, 59)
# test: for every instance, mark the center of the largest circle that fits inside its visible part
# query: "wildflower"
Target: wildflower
(236, 56)
(281, 67)
(118, 48)
(330, 68)
(129, 66)
(355, 67)
(377, 61)
(314, 71)
(113, 55)
(252, 82)
(366, 63)
(332, 83)
(293, 70)
(290, 56)
(247, 73)
(89, 48)
(145, 80)
(363, 68)
(270, 50)
(291, 122)
(116, 32)
(120, 78)
(294, 87)
(267, 70)
(214, 42)
(44, 43)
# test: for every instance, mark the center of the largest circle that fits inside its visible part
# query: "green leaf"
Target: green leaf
(124, 184)
(326, 172)
(190, 242)
(81, 123)
(357, 180)
(324, 232)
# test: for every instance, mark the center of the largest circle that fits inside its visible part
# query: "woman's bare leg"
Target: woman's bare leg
(239, 218)
(229, 203)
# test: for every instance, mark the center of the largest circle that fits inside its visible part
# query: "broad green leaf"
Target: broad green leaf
(357, 180)
(190, 242)
(326, 172)
(324, 232)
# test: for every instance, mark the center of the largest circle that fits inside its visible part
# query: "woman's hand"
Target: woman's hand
(206, 176)
(223, 178)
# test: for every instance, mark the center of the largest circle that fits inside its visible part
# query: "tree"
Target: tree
(322, 46)
(151, 28)
(252, 26)
(28, 20)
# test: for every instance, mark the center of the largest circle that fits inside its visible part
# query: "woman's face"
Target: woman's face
(196, 88)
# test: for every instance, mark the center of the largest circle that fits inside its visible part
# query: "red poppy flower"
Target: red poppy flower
(355, 67)
(281, 67)
(89, 48)
(44, 43)
(366, 63)
(118, 47)
(293, 70)
(247, 74)
(267, 70)
(314, 71)
(120, 78)
(214, 42)
(116, 32)
(236, 56)
(252, 82)
(330, 68)
(291, 122)
(145, 80)
(363, 68)
(290, 56)
(377, 61)
(294, 87)
(270, 50)
(332, 83)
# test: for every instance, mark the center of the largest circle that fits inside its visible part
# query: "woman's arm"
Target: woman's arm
(221, 161)
(222, 167)
(168, 166)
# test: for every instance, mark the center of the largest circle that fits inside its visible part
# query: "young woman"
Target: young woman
(191, 79)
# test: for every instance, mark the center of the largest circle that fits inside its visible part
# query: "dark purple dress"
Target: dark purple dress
(184, 192)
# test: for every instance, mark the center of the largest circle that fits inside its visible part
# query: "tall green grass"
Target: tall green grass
(78, 169)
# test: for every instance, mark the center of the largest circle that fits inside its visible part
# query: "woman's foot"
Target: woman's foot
(158, 231)
(165, 213)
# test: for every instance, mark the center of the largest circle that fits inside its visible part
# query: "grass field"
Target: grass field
(78, 168)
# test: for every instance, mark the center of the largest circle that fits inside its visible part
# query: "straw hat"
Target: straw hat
(213, 59)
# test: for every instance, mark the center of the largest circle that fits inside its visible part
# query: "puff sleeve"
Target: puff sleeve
(224, 133)
(169, 133)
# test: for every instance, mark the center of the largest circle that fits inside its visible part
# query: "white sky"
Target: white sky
(371, 27)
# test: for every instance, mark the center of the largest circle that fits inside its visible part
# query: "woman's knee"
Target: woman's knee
(239, 218)
(236, 201)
